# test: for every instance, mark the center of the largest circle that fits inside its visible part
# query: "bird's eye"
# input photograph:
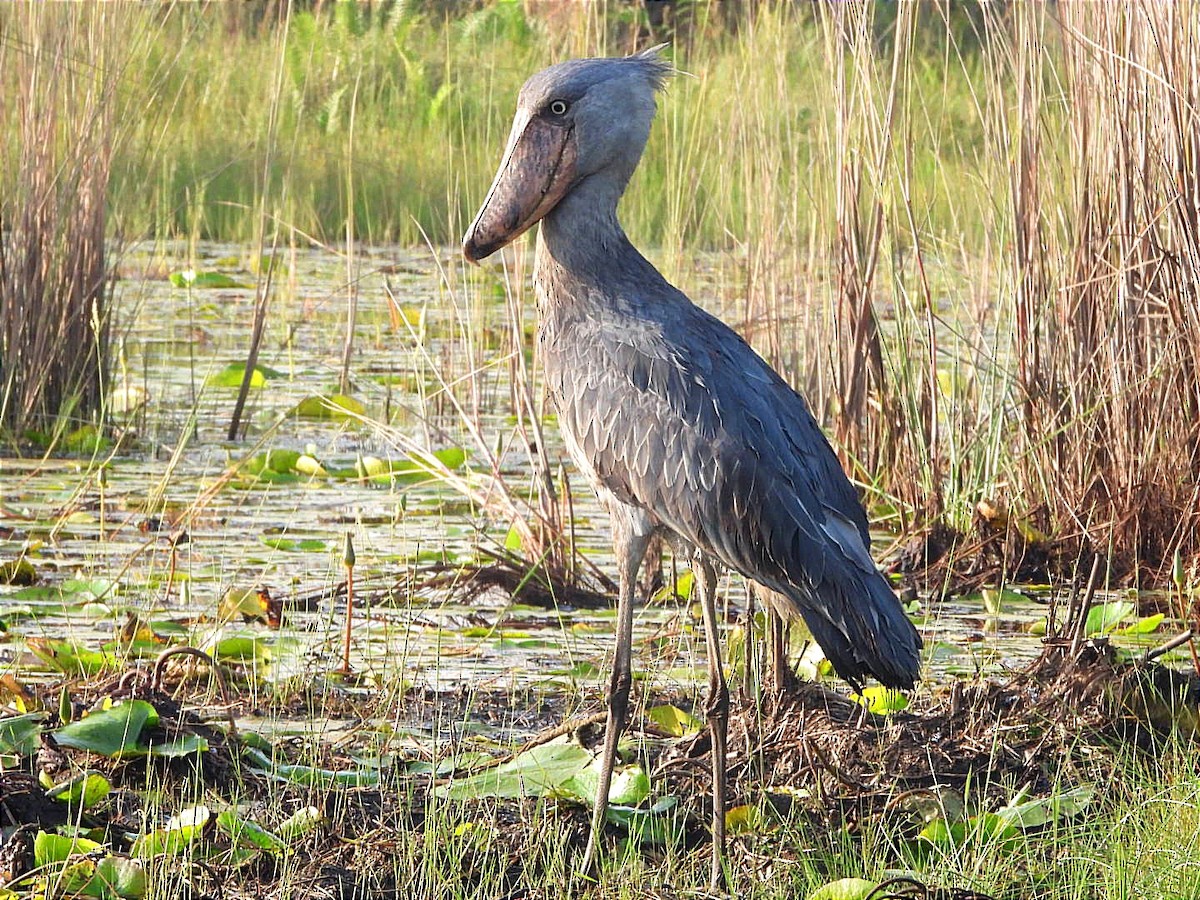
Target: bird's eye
(558, 107)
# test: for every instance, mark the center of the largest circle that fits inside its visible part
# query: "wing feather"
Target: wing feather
(675, 414)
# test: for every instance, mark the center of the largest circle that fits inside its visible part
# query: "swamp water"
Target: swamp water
(101, 564)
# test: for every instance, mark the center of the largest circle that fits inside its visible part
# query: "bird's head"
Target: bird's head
(575, 120)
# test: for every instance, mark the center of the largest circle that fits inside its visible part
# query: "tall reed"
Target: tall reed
(1108, 324)
(57, 82)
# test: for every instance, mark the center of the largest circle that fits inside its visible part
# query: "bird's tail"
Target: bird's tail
(859, 623)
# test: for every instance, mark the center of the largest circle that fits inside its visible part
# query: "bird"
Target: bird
(679, 426)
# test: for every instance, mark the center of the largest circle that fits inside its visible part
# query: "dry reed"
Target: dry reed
(54, 280)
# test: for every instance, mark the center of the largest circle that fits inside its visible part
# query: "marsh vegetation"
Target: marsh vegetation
(237, 339)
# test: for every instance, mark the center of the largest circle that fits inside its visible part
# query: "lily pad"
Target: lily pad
(331, 406)
(19, 734)
(181, 831)
(1104, 617)
(630, 784)
(881, 700)
(534, 773)
(70, 658)
(674, 721)
(293, 545)
(190, 278)
(83, 791)
(111, 732)
(309, 776)
(659, 825)
(249, 834)
(233, 374)
(1144, 625)
(1032, 813)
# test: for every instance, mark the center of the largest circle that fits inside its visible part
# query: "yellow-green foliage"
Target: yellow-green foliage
(406, 113)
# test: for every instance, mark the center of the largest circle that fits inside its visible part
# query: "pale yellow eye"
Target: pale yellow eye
(558, 107)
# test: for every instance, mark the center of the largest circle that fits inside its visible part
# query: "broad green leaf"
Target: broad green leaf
(372, 467)
(673, 720)
(844, 889)
(534, 773)
(308, 465)
(630, 784)
(118, 876)
(303, 821)
(1032, 813)
(19, 734)
(658, 825)
(682, 588)
(332, 406)
(190, 278)
(1144, 625)
(293, 545)
(985, 829)
(184, 745)
(111, 732)
(51, 848)
(309, 776)
(231, 376)
(881, 700)
(243, 648)
(513, 540)
(84, 791)
(182, 830)
(277, 460)
(1104, 617)
(248, 833)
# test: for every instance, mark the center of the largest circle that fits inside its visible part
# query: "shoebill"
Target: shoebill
(678, 425)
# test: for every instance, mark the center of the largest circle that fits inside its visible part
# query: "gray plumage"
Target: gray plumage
(676, 421)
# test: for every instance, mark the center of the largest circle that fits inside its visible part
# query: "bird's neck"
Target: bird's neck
(583, 251)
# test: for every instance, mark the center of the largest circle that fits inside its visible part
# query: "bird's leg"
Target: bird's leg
(777, 640)
(717, 708)
(630, 546)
